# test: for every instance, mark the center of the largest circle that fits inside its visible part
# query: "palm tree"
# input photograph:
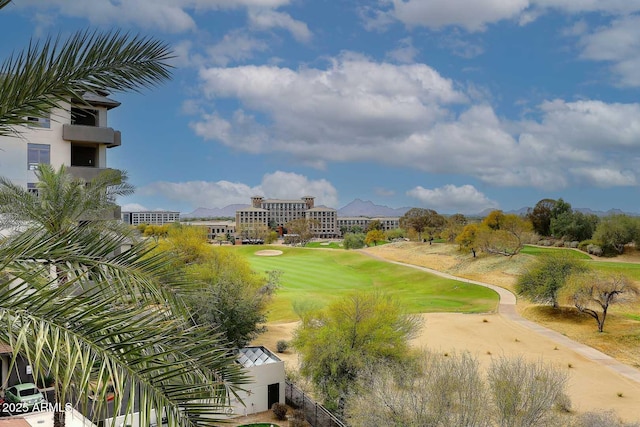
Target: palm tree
(62, 201)
(117, 317)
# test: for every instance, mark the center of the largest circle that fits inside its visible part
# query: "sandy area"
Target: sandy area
(591, 386)
(269, 252)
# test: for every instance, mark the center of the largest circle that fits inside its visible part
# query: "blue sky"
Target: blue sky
(454, 105)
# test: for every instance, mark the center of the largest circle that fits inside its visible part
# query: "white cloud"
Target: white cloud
(407, 116)
(617, 43)
(287, 185)
(265, 19)
(165, 15)
(133, 207)
(604, 177)
(405, 53)
(581, 6)
(235, 46)
(219, 194)
(476, 15)
(471, 15)
(453, 199)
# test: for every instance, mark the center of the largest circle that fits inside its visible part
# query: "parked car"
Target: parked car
(25, 396)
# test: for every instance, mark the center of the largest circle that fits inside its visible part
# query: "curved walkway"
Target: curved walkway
(507, 309)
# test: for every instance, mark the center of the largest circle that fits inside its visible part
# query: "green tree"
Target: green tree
(593, 292)
(336, 343)
(422, 220)
(540, 216)
(375, 236)
(453, 227)
(574, 225)
(375, 224)
(615, 231)
(467, 238)
(63, 201)
(502, 234)
(354, 241)
(542, 281)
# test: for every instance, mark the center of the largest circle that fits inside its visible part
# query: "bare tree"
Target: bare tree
(593, 292)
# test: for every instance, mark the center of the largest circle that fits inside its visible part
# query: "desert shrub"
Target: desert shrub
(545, 242)
(297, 418)
(282, 346)
(572, 244)
(559, 244)
(279, 410)
(600, 419)
(563, 402)
(524, 393)
(354, 240)
(595, 250)
(585, 243)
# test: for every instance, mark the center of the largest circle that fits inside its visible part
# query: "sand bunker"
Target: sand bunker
(269, 252)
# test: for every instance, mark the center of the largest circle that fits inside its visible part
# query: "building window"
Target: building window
(36, 154)
(39, 122)
(32, 188)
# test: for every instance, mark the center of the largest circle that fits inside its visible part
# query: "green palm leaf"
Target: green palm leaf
(38, 80)
(84, 335)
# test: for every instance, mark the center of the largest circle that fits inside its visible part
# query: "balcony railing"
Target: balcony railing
(98, 135)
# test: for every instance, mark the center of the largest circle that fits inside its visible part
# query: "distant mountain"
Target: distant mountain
(226, 212)
(367, 208)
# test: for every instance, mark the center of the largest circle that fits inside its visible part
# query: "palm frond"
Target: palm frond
(147, 350)
(52, 73)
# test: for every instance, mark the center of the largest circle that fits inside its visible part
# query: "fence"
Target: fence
(314, 413)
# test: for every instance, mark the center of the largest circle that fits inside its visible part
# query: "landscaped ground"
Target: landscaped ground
(591, 385)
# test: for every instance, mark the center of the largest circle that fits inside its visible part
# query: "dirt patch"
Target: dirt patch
(592, 386)
(269, 252)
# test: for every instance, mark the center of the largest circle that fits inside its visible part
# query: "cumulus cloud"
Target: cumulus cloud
(235, 46)
(405, 53)
(474, 16)
(471, 15)
(165, 15)
(266, 19)
(465, 199)
(410, 116)
(617, 43)
(283, 185)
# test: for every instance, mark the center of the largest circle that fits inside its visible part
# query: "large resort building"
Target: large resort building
(150, 217)
(276, 213)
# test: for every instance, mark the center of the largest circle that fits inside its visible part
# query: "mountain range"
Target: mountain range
(369, 209)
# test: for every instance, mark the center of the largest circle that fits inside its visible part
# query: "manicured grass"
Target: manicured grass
(319, 277)
(537, 250)
(627, 268)
(330, 245)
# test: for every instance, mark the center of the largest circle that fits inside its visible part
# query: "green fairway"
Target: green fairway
(631, 270)
(537, 250)
(320, 276)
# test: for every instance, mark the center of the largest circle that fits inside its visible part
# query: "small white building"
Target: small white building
(267, 384)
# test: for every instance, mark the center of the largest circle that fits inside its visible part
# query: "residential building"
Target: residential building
(215, 228)
(150, 217)
(75, 135)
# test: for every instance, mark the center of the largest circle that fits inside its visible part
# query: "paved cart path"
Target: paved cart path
(507, 309)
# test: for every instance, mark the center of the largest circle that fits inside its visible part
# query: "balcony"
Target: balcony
(94, 134)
